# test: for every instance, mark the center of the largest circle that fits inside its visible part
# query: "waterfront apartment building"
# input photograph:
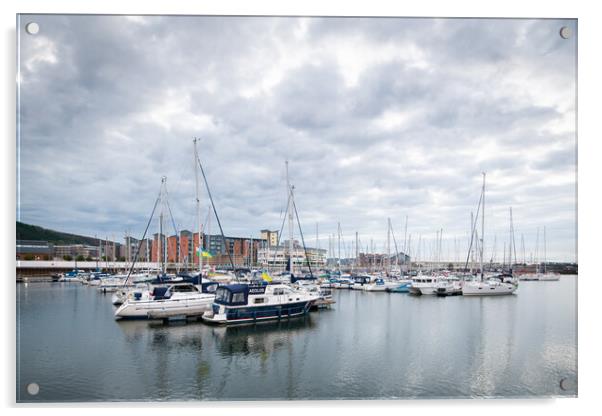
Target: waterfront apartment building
(183, 249)
(158, 249)
(276, 257)
(270, 236)
(376, 260)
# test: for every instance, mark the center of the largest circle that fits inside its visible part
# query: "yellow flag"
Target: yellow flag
(266, 277)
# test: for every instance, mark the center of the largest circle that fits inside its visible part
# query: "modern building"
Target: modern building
(34, 250)
(75, 250)
(158, 250)
(276, 257)
(270, 236)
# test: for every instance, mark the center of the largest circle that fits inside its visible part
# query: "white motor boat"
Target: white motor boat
(382, 285)
(493, 286)
(424, 285)
(179, 299)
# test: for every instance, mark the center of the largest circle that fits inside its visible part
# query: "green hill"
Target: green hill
(33, 232)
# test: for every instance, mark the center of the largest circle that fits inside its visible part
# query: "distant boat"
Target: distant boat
(74, 276)
(240, 303)
(400, 288)
(360, 281)
(546, 276)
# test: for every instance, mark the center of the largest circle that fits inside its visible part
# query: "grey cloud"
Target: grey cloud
(120, 104)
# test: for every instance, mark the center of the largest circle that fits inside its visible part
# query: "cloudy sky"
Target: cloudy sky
(378, 117)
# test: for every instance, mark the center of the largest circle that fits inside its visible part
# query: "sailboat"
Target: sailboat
(249, 303)
(546, 276)
(168, 301)
(494, 285)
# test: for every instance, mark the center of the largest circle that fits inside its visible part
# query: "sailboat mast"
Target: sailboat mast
(544, 249)
(409, 248)
(356, 249)
(440, 248)
(290, 220)
(198, 208)
(482, 227)
(388, 246)
(160, 245)
(471, 247)
(339, 243)
(537, 251)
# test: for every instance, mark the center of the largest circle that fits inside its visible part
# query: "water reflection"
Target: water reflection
(371, 345)
(259, 339)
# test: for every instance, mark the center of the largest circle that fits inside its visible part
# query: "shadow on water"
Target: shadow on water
(263, 338)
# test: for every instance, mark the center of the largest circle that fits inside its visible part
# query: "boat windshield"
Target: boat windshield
(222, 295)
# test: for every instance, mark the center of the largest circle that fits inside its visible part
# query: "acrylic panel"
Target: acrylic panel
(295, 208)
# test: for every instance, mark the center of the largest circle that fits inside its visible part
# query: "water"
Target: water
(370, 345)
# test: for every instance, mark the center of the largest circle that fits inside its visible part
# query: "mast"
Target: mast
(512, 242)
(290, 221)
(99, 253)
(409, 255)
(471, 248)
(160, 245)
(418, 253)
(544, 249)
(405, 244)
(198, 209)
(356, 249)
(482, 227)
(537, 251)
(114, 254)
(388, 264)
(440, 249)
(339, 243)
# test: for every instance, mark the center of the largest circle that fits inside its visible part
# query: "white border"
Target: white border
(590, 69)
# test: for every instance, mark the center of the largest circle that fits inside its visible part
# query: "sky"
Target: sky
(378, 117)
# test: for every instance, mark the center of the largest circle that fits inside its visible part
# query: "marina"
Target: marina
(367, 345)
(218, 207)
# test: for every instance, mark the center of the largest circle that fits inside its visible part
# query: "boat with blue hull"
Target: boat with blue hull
(401, 288)
(239, 303)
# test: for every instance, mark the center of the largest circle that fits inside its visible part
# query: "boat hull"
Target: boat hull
(423, 290)
(485, 289)
(145, 309)
(246, 314)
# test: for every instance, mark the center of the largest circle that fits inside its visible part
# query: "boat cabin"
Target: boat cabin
(424, 279)
(362, 280)
(159, 293)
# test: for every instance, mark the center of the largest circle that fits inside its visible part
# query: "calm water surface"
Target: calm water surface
(370, 345)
